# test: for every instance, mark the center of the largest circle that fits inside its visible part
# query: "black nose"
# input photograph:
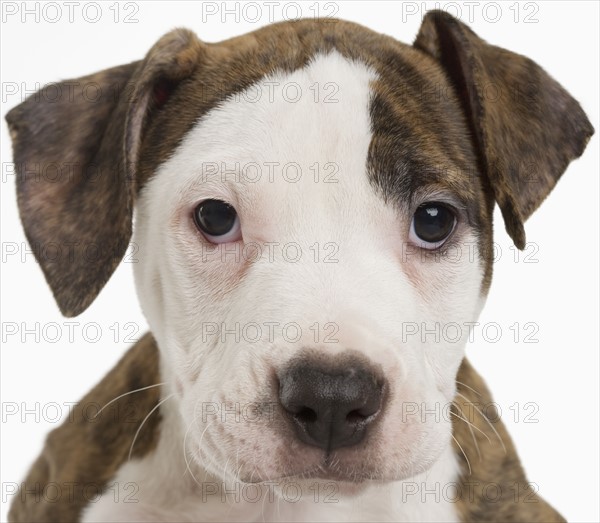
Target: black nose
(331, 406)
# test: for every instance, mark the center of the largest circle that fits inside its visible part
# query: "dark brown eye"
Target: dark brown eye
(217, 221)
(431, 225)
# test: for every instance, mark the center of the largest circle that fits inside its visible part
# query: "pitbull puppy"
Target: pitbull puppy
(382, 159)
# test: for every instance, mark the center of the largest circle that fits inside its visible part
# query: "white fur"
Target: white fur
(371, 294)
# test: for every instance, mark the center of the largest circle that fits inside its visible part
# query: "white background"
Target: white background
(557, 377)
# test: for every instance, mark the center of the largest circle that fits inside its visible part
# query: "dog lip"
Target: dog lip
(326, 473)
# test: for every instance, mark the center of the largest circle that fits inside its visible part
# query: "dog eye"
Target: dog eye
(217, 221)
(431, 225)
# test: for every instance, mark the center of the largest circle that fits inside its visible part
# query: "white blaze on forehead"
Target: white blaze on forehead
(292, 147)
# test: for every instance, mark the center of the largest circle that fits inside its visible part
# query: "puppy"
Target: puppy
(298, 193)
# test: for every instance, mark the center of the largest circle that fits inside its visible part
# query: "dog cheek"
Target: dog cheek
(422, 442)
(416, 427)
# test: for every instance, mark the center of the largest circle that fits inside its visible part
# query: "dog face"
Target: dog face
(301, 249)
(233, 313)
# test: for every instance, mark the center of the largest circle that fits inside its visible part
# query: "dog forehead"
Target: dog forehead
(413, 110)
(289, 129)
(290, 152)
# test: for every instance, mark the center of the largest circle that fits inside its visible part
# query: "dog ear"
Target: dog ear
(75, 149)
(526, 127)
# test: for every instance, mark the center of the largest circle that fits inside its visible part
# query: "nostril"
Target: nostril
(354, 417)
(306, 415)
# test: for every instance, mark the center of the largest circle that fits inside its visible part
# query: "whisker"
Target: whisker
(199, 454)
(225, 467)
(126, 394)
(472, 434)
(463, 453)
(187, 464)
(468, 387)
(144, 421)
(469, 423)
(487, 420)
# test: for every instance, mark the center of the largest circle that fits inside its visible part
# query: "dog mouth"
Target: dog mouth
(328, 470)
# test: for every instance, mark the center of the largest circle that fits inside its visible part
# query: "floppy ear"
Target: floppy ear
(75, 149)
(526, 127)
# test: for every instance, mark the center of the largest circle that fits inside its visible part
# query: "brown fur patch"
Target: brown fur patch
(526, 127)
(496, 489)
(82, 455)
(76, 159)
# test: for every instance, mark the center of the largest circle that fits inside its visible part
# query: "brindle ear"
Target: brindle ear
(75, 149)
(525, 125)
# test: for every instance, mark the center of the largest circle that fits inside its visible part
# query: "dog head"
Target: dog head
(310, 201)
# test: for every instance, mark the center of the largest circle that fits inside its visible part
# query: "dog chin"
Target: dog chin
(333, 484)
(338, 486)
(350, 479)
